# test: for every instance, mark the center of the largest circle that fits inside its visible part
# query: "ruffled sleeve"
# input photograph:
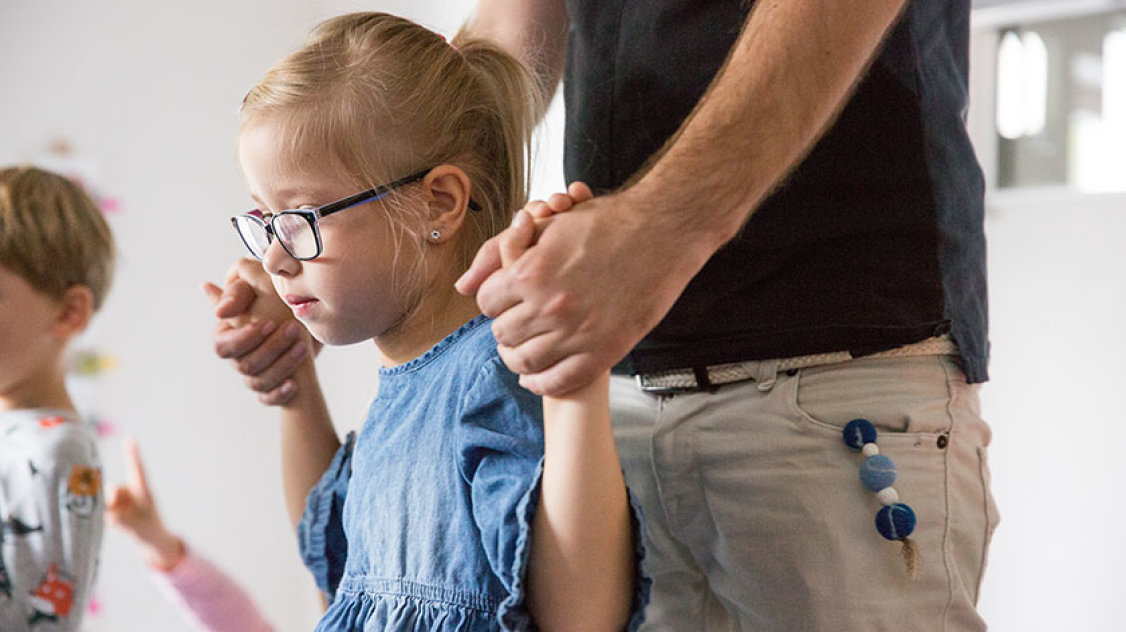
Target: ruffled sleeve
(320, 534)
(642, 582)
(501, 459)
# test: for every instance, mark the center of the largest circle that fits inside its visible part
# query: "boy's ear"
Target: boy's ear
(447, 191)
(76, 308)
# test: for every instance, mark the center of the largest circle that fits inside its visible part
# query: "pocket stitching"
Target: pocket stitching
(808, 421)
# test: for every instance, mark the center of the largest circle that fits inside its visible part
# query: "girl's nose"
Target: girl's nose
(277, 262)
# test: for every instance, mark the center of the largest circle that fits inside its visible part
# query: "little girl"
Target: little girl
(381, 157)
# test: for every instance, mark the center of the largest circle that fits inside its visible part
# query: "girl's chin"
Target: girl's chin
(334, 337)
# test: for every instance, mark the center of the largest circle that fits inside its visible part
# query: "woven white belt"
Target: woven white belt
(717, 374)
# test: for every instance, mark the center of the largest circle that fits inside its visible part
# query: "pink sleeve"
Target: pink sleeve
(209, 598)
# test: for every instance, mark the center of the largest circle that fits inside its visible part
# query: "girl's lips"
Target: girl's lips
(300, 305)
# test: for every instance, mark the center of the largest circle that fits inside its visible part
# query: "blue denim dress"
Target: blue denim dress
(423, 521)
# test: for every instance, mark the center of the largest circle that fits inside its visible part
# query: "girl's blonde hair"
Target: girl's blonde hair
(386, 97)
(53, 234)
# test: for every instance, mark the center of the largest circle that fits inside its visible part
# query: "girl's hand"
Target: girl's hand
(258, 333)
(131, 508)
(577, 193)
(520, 236)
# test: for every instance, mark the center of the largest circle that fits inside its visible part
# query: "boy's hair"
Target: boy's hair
(386, 97)
(52, 234)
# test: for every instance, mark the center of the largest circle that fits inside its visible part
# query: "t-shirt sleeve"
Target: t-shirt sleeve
(501, 460)
(320, 534)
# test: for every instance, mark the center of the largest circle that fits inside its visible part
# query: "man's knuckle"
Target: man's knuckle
(558, 305)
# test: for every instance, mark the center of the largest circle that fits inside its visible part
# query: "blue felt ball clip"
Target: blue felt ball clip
(895, 520)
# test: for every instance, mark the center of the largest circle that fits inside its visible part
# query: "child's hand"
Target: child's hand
(529, 221)
(131, 508)
(258, 332)
(520, 236)
(577, 193)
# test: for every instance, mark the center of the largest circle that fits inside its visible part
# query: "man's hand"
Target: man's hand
(258, 333)
(131, 508)
(597, 279)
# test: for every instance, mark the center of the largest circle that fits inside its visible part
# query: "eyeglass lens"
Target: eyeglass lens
(296, 234)
(293, 230)
(254, 235)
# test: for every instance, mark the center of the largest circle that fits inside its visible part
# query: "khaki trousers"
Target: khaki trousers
(756, 518)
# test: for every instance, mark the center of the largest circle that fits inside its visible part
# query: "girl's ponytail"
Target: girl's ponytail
(513, 94)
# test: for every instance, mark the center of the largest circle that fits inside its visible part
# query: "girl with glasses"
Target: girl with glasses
(381, 157)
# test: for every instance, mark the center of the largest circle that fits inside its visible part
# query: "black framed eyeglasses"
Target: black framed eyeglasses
(297, 229)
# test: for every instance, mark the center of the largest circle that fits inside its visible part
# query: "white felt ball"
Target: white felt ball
(887, 496)
(870, 449)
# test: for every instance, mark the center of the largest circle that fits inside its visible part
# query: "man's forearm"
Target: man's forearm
(787, 77)
(533, 31)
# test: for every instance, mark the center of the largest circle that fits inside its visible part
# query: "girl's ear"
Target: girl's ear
(76, 308)
(447, 194)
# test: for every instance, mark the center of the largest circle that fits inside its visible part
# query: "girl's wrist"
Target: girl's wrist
(308, 389)
(587, 406)
(165, 553)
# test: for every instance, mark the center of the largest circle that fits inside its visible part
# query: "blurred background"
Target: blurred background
(139, 99)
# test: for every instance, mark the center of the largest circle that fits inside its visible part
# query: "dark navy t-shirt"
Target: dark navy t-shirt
(875, 240)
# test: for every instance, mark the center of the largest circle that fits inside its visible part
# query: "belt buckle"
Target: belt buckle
(646, 387)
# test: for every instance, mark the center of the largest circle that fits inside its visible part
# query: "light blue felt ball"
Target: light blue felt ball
(895, 522)
(877, 472)
(858, 432)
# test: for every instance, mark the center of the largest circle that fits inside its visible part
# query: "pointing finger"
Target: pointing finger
(134, 470)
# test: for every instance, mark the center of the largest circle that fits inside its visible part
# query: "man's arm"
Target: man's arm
(533, 31)
(784, 82)
(604, 274)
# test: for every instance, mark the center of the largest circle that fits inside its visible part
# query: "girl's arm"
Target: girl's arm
(581, 571)
(309, 439)
(203, 593)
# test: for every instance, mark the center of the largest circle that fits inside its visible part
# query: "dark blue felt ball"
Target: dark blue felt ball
(858, 432)
(877, 472)
(895, 522)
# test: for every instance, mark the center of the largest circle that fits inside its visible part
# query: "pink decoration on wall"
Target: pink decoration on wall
(104, 428)
(110, 205)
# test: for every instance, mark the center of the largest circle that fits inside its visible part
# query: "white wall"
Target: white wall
(146, 93)
(1055, 401)
(1056, 404)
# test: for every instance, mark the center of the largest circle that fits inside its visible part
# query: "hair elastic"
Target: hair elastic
(452, 45)
(895, 521)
